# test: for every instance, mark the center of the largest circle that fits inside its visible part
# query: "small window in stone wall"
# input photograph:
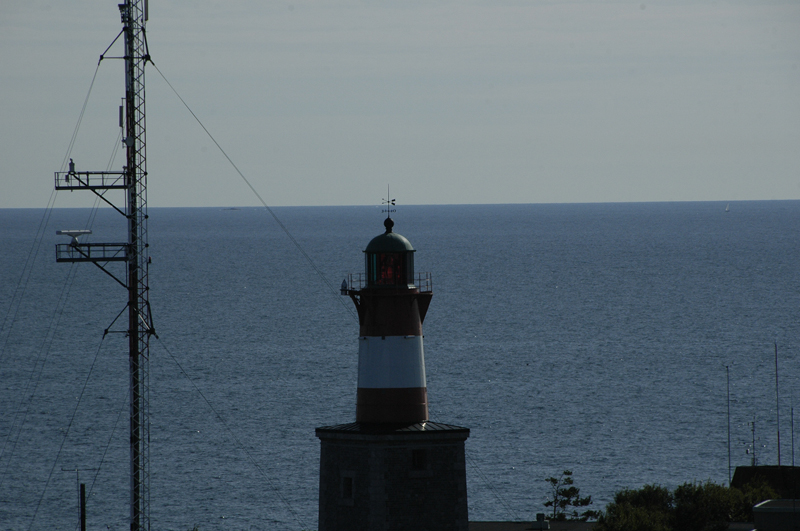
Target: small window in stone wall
(347, 488)
(419, 459)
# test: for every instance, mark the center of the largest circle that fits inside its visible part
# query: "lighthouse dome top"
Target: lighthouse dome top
(389, 242)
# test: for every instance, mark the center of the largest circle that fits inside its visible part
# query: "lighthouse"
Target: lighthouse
(391, 303)
(393, 468)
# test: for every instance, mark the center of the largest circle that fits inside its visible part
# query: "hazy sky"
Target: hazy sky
(325, 103)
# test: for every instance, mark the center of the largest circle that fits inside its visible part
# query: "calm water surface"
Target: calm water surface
(588, 337)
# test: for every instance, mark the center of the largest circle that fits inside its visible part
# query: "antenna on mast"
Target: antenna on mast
(752, 449)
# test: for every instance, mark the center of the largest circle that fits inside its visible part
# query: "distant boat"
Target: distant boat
(728, 207)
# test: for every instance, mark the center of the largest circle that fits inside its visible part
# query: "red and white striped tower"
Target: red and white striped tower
(391, 304)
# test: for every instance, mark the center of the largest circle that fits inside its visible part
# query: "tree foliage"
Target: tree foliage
(646, 509)
(753, 494)
(705, 507)
(691, 507)
(565, 497)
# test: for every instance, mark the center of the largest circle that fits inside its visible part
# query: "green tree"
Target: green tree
(705, 506)
(753, 494)
(654, 498)
(565, 497)
(647, 509)
(691, 507)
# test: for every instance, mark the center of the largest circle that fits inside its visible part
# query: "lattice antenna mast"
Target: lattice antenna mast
(133, 180)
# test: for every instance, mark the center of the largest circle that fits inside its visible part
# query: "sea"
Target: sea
(630, 343)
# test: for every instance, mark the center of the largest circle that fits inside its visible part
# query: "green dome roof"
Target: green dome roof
(389, 242)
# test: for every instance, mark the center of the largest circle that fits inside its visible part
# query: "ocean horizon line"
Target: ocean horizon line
(577, 203)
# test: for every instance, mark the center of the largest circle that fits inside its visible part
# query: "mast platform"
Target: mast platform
(92, 252)
(91, 180)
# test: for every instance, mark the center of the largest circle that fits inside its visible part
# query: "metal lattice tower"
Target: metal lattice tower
(132, 179)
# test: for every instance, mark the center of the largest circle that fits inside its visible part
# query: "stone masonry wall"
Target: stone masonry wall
(392, 483)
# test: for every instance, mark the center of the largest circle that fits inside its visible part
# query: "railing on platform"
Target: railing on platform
(90, 180)
(358, 281)
(355, 282)
(424, 282)
(92, 252)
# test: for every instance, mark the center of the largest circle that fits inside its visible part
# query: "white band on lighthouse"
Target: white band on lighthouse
(392, 362)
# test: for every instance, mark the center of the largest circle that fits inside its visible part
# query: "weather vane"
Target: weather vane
(389, 204)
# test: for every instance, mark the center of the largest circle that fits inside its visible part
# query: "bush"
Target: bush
(632, 518)
(705, 507)
(753, 494)
(647, 509)
(651, 497)
(692, 507)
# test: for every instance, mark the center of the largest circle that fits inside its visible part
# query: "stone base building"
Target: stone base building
(390, 478)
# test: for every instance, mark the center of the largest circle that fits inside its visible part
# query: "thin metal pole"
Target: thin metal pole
(728, 377)
(777, 404)
(83, 507)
